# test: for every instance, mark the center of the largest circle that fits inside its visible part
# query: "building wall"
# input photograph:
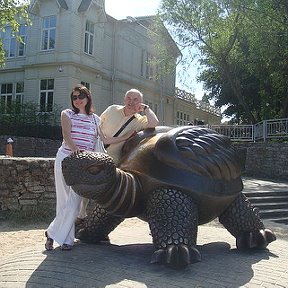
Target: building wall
(114, 67)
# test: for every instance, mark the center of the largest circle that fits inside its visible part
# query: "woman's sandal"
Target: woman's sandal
(66, 247)
(49, 242)
(79, 221)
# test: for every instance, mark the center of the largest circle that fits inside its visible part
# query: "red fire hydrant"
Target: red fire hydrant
(9, 147)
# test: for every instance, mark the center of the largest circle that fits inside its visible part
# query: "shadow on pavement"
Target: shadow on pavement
(128, 266)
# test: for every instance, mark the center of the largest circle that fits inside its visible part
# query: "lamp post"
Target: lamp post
(161, 102)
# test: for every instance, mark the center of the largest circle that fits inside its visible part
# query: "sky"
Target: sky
(121, 9)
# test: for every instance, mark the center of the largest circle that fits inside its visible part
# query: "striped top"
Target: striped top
(83, 131)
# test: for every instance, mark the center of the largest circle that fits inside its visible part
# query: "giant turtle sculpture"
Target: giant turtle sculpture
(173, 178)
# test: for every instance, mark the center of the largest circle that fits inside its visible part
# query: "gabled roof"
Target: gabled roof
(61, 3)
(85, 4)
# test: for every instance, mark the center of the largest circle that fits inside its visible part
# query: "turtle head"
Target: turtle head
(89, 173)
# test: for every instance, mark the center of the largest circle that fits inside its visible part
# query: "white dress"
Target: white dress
(83, 133)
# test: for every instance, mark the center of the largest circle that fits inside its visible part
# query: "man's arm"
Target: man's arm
(151, 117)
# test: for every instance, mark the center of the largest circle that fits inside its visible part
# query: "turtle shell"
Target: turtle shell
(195, 160)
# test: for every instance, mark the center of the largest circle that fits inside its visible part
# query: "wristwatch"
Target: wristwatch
(145, 107)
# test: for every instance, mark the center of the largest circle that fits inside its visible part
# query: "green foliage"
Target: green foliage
(205, 98)
(166, 51)
(243, 52)
(12, 13)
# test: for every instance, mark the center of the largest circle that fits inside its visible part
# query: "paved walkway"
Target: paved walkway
(125, 263)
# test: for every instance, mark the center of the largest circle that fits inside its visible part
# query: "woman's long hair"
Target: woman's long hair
(83, 90)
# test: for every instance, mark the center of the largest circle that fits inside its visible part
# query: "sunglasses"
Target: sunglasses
(81, 96)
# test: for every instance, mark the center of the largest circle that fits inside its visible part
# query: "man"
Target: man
(116, 117)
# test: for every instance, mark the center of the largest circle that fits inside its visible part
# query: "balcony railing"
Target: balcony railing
(236, 132)
(262, 131)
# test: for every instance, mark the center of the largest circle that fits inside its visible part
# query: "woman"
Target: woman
(80, 127)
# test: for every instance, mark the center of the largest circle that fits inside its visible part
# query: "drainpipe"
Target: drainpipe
(161, 102)
(113, 62)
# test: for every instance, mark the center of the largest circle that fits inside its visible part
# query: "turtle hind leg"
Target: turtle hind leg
(241, 219)
(173, 220)
(258, 239)
(97, 225)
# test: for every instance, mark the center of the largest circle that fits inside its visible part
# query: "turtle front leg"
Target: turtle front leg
(97, 225)
(173, 220)
(241, 219)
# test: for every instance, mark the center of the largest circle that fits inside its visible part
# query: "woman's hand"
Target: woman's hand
(77, 151)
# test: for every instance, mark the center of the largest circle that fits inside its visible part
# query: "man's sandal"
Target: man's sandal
(49, 242)
(66, 247)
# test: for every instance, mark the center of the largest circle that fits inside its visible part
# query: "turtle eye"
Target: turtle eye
(95, 169)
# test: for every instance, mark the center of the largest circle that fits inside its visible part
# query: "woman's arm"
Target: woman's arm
(66, 132)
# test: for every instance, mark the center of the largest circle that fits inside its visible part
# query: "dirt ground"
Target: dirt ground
(13, 236)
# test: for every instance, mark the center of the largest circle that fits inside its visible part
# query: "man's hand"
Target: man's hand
(142, 107)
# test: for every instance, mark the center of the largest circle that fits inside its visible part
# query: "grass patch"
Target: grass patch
(28, 216)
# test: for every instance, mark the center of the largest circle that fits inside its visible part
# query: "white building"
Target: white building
(75, 41)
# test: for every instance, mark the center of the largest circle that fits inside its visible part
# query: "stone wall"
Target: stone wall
(266, 160)
(30, 147)
(28, 182)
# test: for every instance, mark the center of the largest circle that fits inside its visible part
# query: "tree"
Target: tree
(205, 98)
(12, 12)
(241, 49)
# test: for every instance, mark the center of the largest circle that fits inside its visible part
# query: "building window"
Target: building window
(86, 84)
(46, 95)
(6, 97)
(148, 68)
(89, 37)
(48, 33)
(182, 118)
(11, 45)
(22, 44)
(142, 67)
(19, 96)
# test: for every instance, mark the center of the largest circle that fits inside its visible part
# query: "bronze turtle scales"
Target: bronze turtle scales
(173, 178)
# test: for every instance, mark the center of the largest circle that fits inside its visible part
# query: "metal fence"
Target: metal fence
(263, 131)
(27, 121)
